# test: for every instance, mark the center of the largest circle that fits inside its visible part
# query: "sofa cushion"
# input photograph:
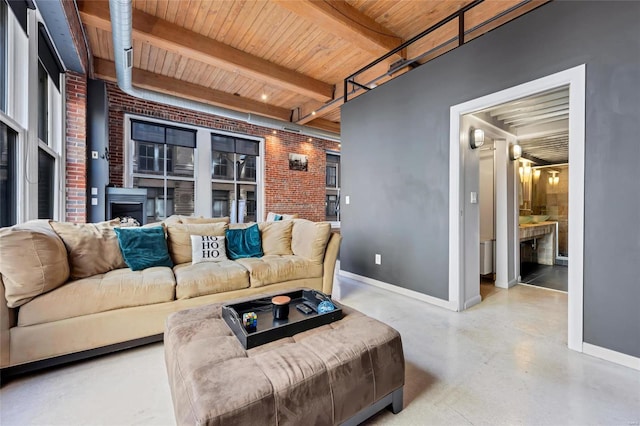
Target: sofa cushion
(121, 288)
(179, 238)
(309, 239)
(209, 278)
(93, 247)
(33, 260)
(191, 219)
(276, 237)
(242, 243)
(205, 248)
(272, 217)
(272, 269)
(143, 248)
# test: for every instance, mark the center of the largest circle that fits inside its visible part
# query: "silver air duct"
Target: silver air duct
(121, 27)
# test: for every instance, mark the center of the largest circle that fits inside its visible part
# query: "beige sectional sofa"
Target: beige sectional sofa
(68, 293)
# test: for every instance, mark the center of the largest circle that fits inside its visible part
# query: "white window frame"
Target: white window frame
(259, 183)
(201, 163)
(22, 117)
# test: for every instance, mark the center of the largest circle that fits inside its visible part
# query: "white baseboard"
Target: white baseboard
(612, 356)
(405, 292)
(473, 301)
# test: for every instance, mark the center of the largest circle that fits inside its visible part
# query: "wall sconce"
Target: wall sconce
(525, 171)
(536, 173)
(476, 138)
(515, 152)
(554, 178)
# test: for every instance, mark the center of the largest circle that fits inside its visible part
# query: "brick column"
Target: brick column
(76, 148)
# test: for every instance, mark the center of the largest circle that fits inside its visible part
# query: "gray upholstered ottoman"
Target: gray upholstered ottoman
(341, 372)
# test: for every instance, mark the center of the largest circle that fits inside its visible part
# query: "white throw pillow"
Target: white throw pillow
(205, 248)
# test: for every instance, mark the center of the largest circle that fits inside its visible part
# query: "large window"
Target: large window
(234, 177)
(189, 170)
(163, 163)
(8, 176)
(332, 201)
(31, 168)
(3, 55)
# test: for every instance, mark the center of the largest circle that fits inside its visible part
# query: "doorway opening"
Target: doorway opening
(464, 235)
(539, 125)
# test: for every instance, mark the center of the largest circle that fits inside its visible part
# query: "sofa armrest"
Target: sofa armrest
(7, 320)
(329, 266)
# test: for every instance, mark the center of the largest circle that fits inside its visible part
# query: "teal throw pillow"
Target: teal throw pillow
(277, 217)
(143, 247)
(243, 243)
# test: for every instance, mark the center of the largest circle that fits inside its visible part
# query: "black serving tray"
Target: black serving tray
(270, 329)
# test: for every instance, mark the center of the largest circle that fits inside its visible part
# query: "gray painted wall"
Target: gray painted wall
(395, 154)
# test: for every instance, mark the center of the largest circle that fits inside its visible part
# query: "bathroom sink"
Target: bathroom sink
(539, 218)
(523, 220)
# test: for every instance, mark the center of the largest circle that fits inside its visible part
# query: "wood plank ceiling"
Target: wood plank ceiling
(284, 59)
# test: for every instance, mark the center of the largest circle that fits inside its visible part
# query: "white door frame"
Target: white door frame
(575, 79)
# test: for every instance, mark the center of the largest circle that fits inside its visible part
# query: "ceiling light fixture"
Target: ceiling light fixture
(264, 96)
(313, 113)
(476, 138)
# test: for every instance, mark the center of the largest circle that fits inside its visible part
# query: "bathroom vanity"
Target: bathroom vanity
(540, 243)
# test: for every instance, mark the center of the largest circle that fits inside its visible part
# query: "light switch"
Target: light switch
(94, 191)
(94, 201)
(346, 199)
(474, 197)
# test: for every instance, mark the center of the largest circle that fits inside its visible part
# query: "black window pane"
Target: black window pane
(221, 202)
(222, 165)
(244, 146)
(247, 168)
(222, 143)
(46, 179)
(332, 207)
(181, 137)
(331, 176)
(43, 104)
(333, 158)
(8, 177)
(145, 157)
(147, 132)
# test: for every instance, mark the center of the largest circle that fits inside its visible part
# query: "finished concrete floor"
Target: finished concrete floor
(502, 362)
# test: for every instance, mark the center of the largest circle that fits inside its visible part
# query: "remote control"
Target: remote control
(304, 309)
(309, 304)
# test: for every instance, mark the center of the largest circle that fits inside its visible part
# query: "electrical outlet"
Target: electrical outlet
(347, 200)
(94, 155)
(378, 259)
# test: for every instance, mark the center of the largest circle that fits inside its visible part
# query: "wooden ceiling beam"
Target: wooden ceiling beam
(173, 38)
(345, 21)
(147, 80)
(323, 124)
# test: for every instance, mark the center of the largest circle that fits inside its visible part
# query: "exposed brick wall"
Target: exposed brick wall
(286, 191)
(76, 148)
